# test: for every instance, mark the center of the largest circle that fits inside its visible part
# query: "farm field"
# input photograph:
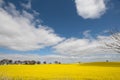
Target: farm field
(87, 71)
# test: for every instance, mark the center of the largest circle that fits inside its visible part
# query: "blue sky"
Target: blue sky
(65, 26)
(63, 18)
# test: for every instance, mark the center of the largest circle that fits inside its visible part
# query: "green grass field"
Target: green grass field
(87, 71)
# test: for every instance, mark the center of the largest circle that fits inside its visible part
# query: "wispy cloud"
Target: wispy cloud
(87, 34)
(77, 46)
(18, 30)
(90, 8)
(85, 45)
(27, 5)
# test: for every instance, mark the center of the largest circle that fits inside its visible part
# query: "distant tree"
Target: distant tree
(18, 62)
(107, 60)
(44, 62)
(32, 62)
(15, 62)
(25, 62)
(28, 62)
(59, 62)
(1, 63)
(38, 62)
(4, 61)
(56, 62)
(10, 61)
(50, 63)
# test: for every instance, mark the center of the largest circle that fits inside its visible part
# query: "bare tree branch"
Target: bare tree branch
(114, 41)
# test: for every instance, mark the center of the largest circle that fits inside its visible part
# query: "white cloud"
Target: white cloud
(27, 5)
(86, 45)
(87, 34)
(90, 8)
(77, 46)
(18, 32)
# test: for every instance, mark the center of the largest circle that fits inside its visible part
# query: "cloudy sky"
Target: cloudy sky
(64, 30)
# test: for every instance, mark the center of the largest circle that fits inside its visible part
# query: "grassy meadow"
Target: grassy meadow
(86, 71)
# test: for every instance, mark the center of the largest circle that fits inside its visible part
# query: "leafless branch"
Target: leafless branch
(114, 41)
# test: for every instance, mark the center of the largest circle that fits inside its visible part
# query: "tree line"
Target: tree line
(29, 62)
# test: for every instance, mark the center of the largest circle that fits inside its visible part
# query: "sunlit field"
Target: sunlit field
(87, 71)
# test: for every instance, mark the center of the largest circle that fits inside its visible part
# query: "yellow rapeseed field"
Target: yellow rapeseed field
(88, 71)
